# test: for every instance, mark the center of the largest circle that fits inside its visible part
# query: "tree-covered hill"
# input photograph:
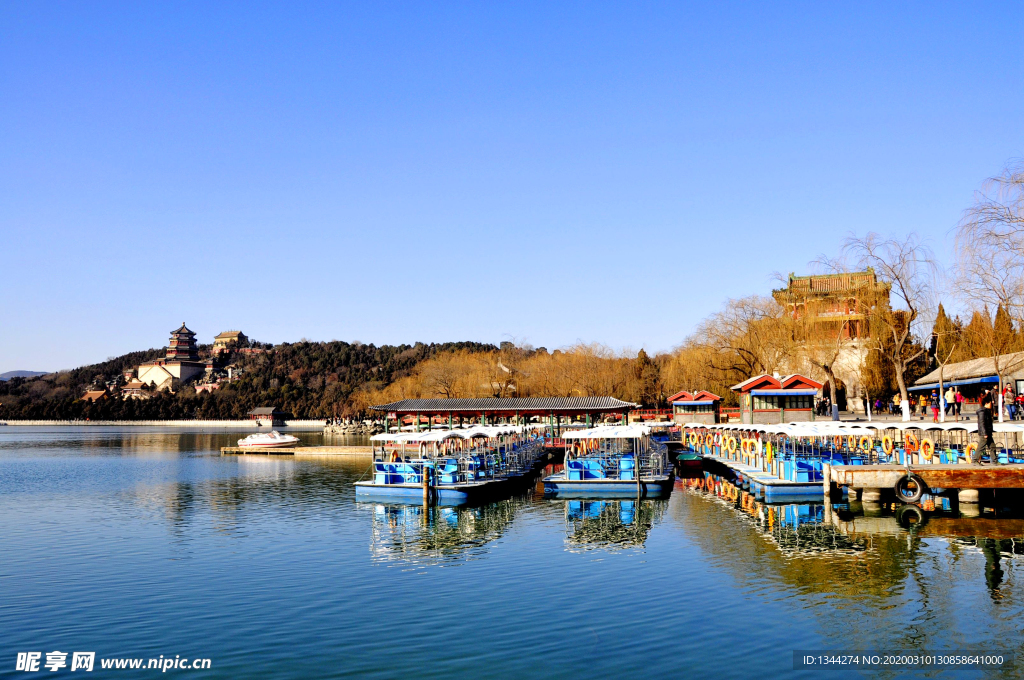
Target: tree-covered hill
(307, 379)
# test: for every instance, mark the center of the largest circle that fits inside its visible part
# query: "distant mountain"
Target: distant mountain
(20, 374)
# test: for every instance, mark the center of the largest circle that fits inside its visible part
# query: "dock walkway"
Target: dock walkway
(766, 485)
(300, 450)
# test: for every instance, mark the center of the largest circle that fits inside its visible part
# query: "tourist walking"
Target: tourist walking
(949, 407)
(1009, 406)
(985, 442)
(933, 401)
(958, 398)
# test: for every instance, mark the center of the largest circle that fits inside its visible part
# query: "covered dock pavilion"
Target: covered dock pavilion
(554, 411)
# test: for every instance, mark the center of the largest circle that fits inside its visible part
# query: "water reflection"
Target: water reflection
(438, 534)
(610, 524)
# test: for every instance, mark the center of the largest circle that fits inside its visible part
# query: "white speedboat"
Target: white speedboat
(271, 440)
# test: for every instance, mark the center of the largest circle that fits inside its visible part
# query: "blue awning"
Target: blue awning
(693, 403)
(784, 393)
(954, 383)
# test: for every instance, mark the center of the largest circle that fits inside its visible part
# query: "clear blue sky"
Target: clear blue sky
(427, 171)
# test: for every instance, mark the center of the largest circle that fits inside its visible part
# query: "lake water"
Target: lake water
(141, 543)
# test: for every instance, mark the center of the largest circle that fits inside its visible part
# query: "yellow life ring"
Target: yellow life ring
(867, 443)
(769, 453)
(887, 444)
(730, 444)
(969, 451)
(851, 442)
(927, 448)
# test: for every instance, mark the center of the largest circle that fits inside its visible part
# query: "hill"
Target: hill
(308, 379)
(20, 374)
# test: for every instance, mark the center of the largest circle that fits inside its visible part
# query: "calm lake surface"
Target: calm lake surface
(142, 542)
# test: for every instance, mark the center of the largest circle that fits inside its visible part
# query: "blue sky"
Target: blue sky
(391, 173)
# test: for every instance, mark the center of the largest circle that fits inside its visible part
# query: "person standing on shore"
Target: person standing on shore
(933, 402)
(959, 402)
(985, 442)
(949, 407)
(1008, 401)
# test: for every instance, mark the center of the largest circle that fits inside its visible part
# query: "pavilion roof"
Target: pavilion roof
(509, 405)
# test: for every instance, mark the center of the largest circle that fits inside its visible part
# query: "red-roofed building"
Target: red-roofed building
(767, 399)
(695, 407)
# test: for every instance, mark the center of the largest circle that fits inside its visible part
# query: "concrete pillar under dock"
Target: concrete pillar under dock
(871, 495)
(968, 501)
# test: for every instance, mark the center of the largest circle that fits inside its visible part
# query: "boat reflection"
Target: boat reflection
(436, 534)
(610, 525)
(795, 528)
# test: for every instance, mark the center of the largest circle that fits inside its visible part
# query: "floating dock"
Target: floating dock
(300, 450)
(765, 485)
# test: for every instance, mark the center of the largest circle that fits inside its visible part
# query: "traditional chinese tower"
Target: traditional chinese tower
(183, 345)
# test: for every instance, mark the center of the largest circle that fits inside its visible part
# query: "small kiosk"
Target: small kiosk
(696, 407)
(765, 399)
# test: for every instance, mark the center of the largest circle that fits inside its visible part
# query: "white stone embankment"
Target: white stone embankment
(184, 424)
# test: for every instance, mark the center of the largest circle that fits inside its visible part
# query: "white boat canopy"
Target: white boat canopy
(609, 432)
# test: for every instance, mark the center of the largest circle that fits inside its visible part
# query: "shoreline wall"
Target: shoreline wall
(219, 424)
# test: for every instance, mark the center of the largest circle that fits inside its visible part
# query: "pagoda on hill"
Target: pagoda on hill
(179, 366)
(182, 346)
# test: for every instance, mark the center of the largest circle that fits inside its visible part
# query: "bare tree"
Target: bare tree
(907, 267)
(752, 335)
(990, 263)
(990, 244)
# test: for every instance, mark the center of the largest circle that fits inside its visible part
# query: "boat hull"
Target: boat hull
(445, 494)
(655, 487)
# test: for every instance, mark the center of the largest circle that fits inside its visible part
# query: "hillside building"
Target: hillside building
(836, 308)
(224, 341)
(180, 365)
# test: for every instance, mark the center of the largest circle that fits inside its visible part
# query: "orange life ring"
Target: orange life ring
(838, 441)
(866, 443)
(911, 442)
(927, 448)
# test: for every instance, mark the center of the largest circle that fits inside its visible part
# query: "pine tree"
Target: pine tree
(947, 337)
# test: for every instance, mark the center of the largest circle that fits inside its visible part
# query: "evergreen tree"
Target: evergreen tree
(947, 337)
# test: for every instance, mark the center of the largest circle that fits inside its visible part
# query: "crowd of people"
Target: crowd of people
(951, 402)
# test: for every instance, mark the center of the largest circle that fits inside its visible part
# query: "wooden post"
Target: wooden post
(426, 484)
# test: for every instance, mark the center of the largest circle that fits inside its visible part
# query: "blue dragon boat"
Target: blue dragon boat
(451, 467)
(609, 461)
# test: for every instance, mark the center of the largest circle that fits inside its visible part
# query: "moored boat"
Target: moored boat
(451, 467)
(268, 440)
(612, 461)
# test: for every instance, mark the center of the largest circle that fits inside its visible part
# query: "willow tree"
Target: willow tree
(990, 262)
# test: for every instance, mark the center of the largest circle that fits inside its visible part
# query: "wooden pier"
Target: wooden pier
(939, 476)
(299, 450)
